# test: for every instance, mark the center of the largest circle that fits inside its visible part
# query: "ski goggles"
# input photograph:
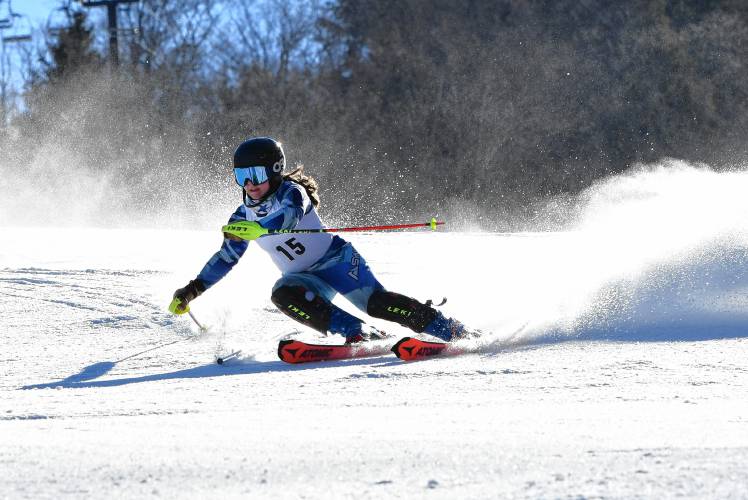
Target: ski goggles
(255, 175)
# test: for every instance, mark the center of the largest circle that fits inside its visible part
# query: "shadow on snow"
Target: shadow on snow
(532, 340)
(85, 379)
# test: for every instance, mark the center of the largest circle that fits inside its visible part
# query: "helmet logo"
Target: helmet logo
(278, 165)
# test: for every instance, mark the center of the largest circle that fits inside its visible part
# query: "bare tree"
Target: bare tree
(274, 35)
(171, 34)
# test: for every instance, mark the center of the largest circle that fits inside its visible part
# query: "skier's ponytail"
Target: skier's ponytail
(307, 182)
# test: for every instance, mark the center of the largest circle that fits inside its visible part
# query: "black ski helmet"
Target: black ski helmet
(265, 152)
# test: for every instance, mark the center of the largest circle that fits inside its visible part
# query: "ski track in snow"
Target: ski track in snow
(605, 372)
(540, 416)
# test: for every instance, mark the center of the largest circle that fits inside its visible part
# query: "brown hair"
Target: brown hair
(306, 181)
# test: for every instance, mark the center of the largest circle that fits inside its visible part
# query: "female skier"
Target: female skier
(315, 267)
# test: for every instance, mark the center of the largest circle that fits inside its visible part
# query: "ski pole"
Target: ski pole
(252, 230)
(201, 327)
(431, 224)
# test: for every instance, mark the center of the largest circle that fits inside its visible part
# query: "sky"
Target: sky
(35, 15)
(37, 10)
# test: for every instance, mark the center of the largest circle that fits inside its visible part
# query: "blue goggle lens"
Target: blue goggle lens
(255, 175)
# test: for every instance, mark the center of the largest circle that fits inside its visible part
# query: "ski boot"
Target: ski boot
(367, 334)
(449, 329)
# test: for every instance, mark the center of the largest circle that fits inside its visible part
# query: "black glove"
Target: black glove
(183, 296)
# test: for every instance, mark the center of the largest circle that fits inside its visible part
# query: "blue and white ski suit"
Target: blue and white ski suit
(323, 264)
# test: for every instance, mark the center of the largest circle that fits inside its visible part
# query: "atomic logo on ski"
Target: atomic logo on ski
(292, 352)
(407, 349)
(318, 353)
(410, 349)
(295, 351)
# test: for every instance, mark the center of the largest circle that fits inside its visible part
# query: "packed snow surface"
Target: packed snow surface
(613, 362)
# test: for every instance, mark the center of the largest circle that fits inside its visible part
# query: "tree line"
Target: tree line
(400, 108)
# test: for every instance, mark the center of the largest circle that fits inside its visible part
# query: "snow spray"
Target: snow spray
(657, 253)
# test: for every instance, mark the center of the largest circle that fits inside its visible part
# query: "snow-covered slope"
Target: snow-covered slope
(613, 363)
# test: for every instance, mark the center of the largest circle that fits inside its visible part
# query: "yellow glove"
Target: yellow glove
(176, 306)
(182, 297)
(245, 230)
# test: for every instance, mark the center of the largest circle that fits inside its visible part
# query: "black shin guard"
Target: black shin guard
(400, 309)
(304, 306)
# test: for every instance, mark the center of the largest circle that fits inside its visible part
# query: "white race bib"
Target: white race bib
(296, 252)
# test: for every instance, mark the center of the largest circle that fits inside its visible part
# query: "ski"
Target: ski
(410, 349)
(295, 351)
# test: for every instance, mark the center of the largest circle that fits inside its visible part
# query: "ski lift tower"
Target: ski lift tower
(111, 6)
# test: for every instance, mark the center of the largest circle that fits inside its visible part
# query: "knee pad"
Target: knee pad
(400, 309)
(304, 306)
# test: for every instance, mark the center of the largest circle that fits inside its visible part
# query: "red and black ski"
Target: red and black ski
(295, 351)
(410, 349)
